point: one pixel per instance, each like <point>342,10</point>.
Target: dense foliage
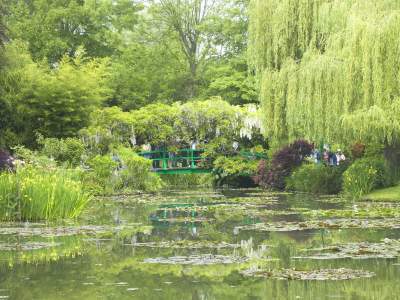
<point>328,69</point>
<point>365,175</point>
<point>317,179</point>
<point>214,124</point>
<point>53,102</point>
<point>283,162</point>
<point>234,171</point>
<point>69,150</point>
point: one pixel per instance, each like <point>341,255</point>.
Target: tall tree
<point>328,69</point>
<point>148,68</point>
<point>324,62</point>
<point>55,28</point>
<point>188,18</point>
<point>227,73</point>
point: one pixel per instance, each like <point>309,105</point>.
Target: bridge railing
<point>187,158</point>
<point>183,158</point>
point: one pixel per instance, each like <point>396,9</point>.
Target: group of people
<point>328,157</point>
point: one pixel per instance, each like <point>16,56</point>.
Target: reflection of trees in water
<point>51,250</point>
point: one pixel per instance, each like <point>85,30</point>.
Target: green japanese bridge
<point>186,161</point>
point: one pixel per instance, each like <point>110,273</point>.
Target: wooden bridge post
<point>192,158</point>
<point>164,161</point>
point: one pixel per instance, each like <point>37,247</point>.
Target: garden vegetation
<point>85,84</point>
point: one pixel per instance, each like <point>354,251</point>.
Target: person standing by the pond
<point>316,155</point>
<point>171,159</point>
<point>235,146</point>
<point>325,156</point>
<point>334,159</point>
<point>146,148</point>
<point>340,157</point>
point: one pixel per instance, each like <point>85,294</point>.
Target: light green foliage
<point>227,73</point>
<point>365,175</point>
<point>50,94</point>
<point>317,179</point>
<point>41,194</point>
<point>234,170</point>
<point>124,171</point>
<point>213,123</point>
<point>148,69</point>
<point>188,19</point>
<point>56,101</point>
<point>327,69</point>
<point>155,123</point>
<point>212,38</point>
<point>108,127</point>
<point>102,176</point>
<point>231,166</point>
<point>136,172</point>
<point>33,158</point>
<point>231,81</point>
<point>56,28</point>
<point>69,150</point>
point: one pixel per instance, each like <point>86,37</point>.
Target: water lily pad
<point>26,246</point>
<point>65,230</point>
<point>323,224</point>
<point>184,244</point>
<point>356,212</point>
<point>323,274</point>
<point>387,249</point>
<point>205,259</point>
<point>53,231</point>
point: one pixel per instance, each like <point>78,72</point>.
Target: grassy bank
<point>387,194</point>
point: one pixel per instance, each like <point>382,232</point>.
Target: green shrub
<point>316,178</point>
<point>32,158</point>
<point>131,173</point>
<point>236,171</point>
<point>102,177</point>
<point>136,172</point>
<point>69,150</point>
<point>365,175</point>
<point>41,194</point>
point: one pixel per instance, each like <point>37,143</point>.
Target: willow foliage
<point>328,69</point>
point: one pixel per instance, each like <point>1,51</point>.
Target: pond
<point>208,244</point>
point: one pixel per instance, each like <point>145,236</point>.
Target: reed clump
<point>41,194</point>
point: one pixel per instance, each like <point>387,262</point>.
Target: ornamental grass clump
<point>41,194</point>
<point>365,175</point>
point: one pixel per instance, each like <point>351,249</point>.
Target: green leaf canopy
<point>328,70</point>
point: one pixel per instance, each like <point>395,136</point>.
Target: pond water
<point>206,244</point>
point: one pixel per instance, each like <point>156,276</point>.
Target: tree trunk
<point>192,85</point>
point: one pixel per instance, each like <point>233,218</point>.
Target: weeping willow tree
<point>328,69</point>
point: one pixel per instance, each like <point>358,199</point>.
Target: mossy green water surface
<point>207,244</point>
